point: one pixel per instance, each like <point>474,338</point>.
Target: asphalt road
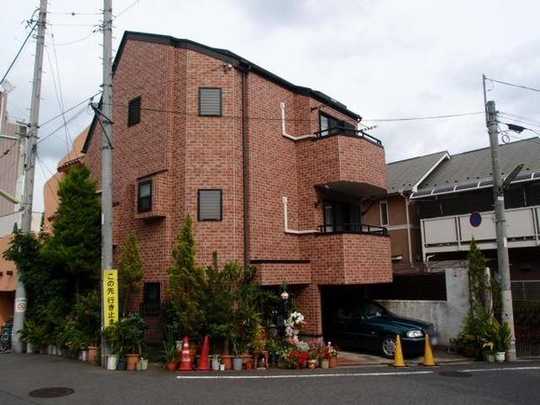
<point>516,383</point>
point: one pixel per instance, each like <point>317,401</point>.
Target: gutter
<point>284,130</point>
<point>409,243</point>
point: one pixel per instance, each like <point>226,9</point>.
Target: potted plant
<point>132,334</point>
<point>502,342</point>
<point>170,353</point>
<point>237,360</point>
<point>113,338</point>
<point>33,335</point>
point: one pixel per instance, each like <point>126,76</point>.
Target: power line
<point>62,126</point>
<point>526,119</point>
<point>428,117</point>
<point>19,52</point>
<point>520,86</point>
<point>68,110</point>
<point>125,9</point>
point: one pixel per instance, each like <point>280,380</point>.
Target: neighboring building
<point>11,180</point>
<point>50,190</point>
<point>442,192</point>
<point>273,174</point>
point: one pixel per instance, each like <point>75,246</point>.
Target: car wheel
<point>388,346</point>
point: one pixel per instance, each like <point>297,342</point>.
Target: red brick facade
<point>182,152</point>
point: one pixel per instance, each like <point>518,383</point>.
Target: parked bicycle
<point>5,337</point>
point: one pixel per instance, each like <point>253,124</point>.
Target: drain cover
<point>51,392</point>
<point>454,374</point>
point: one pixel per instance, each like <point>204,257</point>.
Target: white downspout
<point>286,222</point>
<point>409,244</point>
<point>284,130</point>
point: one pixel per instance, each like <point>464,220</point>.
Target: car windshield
<point>372,310</point>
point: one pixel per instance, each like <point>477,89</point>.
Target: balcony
<point>346,161</point>
<point>356,256</point>
<point>353,228</point>
<point>454,233</point>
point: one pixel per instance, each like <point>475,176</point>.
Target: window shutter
<point>210,102</point>
<point>210,205</point>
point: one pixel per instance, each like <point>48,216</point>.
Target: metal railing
<point>340,130</point>
<point>353,228</point>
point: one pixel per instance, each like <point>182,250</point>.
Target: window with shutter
<point>134,111</point>
<point>144,196</point>
<point>210,205</point>
<point>210,102</point>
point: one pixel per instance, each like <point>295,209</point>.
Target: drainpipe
<point>284,129</point>
<point>409,244</point>
<point>244,71</point>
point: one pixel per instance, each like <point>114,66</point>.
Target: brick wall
<point>182,152</point>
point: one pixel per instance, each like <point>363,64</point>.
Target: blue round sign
<point>475,219</point>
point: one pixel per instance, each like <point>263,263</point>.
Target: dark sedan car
<point>369,326</point>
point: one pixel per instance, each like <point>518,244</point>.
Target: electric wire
<point>427,117</point>
<point>33,27</point>
<point>520,86</point>
<point>62,126</point>
<point>87,99</point>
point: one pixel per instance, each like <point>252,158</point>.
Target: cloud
<point>387,58</point>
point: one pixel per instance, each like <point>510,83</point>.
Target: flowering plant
<point>292,326</point>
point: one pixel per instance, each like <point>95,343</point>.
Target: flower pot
<point>83,355</point>
<point>142,365</point>
<point>490,357</point>
<point>132,359</point>
<point>248,361</point>
<point>215,363</point>
<point>92,354</point>
<point>59,351</point>
<point>312,364</point>
<point>171,365</point>
<point>112,361</point>
<point>29,348</point>
<point>500,356</point>
<point>237,363</point>
<point>227,361</point>
<point>325,363</point>
<point>332,362</point>
<point>121,365</point>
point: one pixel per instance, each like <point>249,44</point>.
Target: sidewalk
<point>350,359</point>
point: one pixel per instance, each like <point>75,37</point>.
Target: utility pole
<point>106,158</point>
<point>500,223</point>
<point>29,169</point>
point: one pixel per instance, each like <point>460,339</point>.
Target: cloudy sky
<point>382,58</point>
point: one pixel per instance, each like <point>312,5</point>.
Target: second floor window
<point>210,205</point>
<point>144,196</point>
<point>210,102</point>
<point>134,111</point>
<point>384,213</point>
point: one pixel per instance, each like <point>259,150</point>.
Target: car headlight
<point>414,333</point>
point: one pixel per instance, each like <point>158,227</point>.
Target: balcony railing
<point>354,228</point>
<point>347,132</point>
<point>455,232</point>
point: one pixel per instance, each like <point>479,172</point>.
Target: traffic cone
<point>429,360</point>
<point>205,351</point>
<point>398,354</point>
<point>185,363</point>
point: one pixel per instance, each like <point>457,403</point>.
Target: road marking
<point>481,370</point>
<point>284,376</point>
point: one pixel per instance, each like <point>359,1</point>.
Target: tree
<point>75,245</point>
<point>187,283</point>
<point>130,270</point>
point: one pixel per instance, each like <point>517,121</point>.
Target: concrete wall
<point>447,316</point>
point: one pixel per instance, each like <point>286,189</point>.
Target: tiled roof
<point>404,174</point>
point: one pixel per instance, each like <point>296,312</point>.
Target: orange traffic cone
<point>205,351</point>
<point>429,360</point>
<point>185,363</point>
<point>398,354</point>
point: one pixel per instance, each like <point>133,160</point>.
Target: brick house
<point>273,174</point>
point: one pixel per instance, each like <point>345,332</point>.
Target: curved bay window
<point>342,217</point>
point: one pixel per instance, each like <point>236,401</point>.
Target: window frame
<point>134,121</point>
<point>386,211</point>
<point>201,89</point>
<point>150,197</point>
<point>220,205</point>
